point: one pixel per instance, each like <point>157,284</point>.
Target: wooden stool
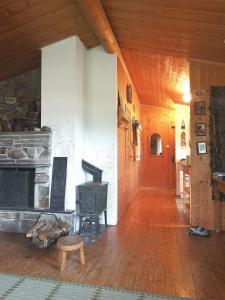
<point>67,244</point>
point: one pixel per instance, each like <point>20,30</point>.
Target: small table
<point>219,187</point>
<point>67,244</point>
<point>186,170</point>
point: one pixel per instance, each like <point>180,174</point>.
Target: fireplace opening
<point>17,188</point>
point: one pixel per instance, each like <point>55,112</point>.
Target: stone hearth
<point>22,221</point>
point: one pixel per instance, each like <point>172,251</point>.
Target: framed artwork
<point>201,148</point>
<point>200,108</point>
<point>200,129</point>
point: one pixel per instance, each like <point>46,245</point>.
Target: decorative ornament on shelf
<point>182,139</point>
<point>135,125</point>
<point>122,117</point>
<point>129,93</point>
<point>182,125</point>
<point>182,135</point>
<point>136,128</point>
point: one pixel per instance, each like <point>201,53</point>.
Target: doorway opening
<point>165,163</point>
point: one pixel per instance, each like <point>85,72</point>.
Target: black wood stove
<point>91,198</point>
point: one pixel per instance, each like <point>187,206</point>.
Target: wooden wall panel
<point>122,171</point>
<point>128,167</point>
<point>157,170</point>
<point>202,76</point>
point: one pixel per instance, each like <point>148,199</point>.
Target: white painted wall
<point>101,120</point>
<point>63,96</point>
<point>182,113</point>
<point>79,104</point>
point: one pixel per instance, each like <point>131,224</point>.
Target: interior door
<point>157,168</point>
<point>122,132</point>
<point>124,165</point>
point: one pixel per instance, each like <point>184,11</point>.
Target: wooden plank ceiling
<point>177,30</point>
<point>28,25</point>
<point>188,28</point>
<point>160,80</point>
<point>157,37</point>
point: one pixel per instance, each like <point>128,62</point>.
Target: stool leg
<point>82,258</point>
<point>63,261</point>
<point>59,257</point>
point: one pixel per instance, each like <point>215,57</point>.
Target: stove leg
<point>105,214</point>
<point>80,224</point>
<point>97,225</point>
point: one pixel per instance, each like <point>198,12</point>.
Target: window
<point>155,144</point>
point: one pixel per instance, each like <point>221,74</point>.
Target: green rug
<point>13,287</point>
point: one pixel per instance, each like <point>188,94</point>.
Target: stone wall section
<point>20,102</point>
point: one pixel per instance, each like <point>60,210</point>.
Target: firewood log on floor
<point>46,231</point>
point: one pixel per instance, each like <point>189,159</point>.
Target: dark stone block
<point>41,178</point>
<point>37,143</point>
<point>8,215</point>
<point>43,191</point>
<point>8,143</point>
<point>42,170</point>
<point>28,215</point>
<point>9,226</point>
<point>44,203</point>
<point>25,225</point>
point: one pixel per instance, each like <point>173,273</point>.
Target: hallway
<point>150,250</point>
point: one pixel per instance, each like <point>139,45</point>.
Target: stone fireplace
<point>67,96</point>
<point>25,172</point>
<point>25,162</point>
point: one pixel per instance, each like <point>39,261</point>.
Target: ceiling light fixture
<point>187,97</point>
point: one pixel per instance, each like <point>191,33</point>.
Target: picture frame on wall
<point>200,108</point>
<point>201,147</point>
<point>200,129</point>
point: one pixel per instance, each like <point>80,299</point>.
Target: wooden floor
<point>150,250</point>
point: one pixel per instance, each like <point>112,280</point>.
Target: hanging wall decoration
<point>201,148</point>
<point>200,108</point>
<point>121,111</point>
<point>200,129</point>
<point>199,93</point>
<point>182,135</point>
<point>129,93</point>
<point>135,124</point>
